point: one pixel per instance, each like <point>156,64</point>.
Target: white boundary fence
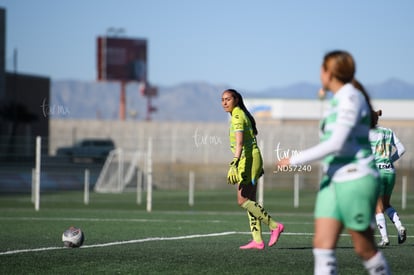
<point>205,145</point>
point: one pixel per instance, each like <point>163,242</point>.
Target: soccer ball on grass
<point>73,237</point>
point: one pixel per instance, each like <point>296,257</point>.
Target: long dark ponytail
<point>364,92</point>
<point>239,99</point>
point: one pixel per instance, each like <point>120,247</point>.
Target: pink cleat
<point>253,245</point>
<point>275,234</point>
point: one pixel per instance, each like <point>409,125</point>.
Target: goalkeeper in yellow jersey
<point>246,168</point>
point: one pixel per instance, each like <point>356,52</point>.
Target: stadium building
<point>305,111</point>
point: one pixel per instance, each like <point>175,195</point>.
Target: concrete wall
<point>191,142</point>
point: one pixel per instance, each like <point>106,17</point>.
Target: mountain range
<point>192,101</point>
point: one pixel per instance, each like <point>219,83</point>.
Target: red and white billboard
<point>122,59</point>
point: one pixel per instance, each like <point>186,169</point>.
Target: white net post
<point>149,176</point>
<point>404,193</point>
<point>191,189</point>
<point>260,183</point>
<point>139,186</point>
<point>86,187</point>
<point>33,185</point>
<point>296,191</point>
<point>37,172</point>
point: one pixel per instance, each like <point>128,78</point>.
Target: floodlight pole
<point>149,91</point>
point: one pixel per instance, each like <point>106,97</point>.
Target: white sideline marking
<point>152,239</point>
<point>122,242</point>
<point>30,250</point>
<point>161,239</point>
<point>140,241</point>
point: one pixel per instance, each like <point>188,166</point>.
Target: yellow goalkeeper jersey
<point>241,123</point>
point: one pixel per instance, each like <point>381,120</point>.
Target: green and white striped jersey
<point>348,108</point>
<point>344,145</point>
<point>383,141</point>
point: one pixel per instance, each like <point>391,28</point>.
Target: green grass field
<point>123,238</point>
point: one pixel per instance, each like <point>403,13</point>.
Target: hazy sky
<point>250,45</point>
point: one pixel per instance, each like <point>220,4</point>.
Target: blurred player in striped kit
<point>383,142</point>
<point>246,168</point>
<point>349,188</point>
